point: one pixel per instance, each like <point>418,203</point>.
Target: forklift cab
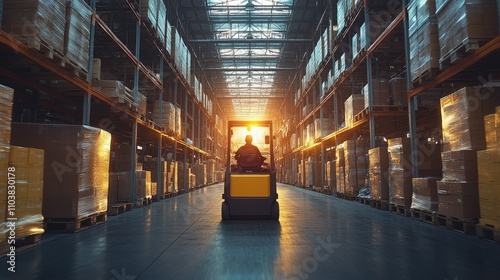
<point>250,179</point>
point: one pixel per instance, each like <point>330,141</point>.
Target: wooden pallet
<point>425,76</point>
<point>75,69</point>
<point>463,225</point>
<point>488,233</point>
<point>119,208</point>
<point>364,201</point>
<point>46,49</point>
<point>399,209</point>
<point>380,204</point>
<point>469,45</point>
<point>347,197</point>
<point>143,202</point>
<point>21,244</point>
<point>74,225</point>
<point>423,215</point>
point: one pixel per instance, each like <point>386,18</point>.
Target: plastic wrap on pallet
<point>400,184</point>
<point>161,21</point>
<point>378,173</point>
<point>168,37</point>
<point>465,23</point>
<point>149,10</point>
<point>322,127</point>
<point>178,121</point>
<point>331,175</point>
<point>6,98</point>
<point>462,117</point>
<point>168,115</point>
<point>142,104</point>
<point>339,168</point>
<point>112,88</point>
<point>353,105</point>
<point>29,164</point>
<point>398,91</point>
<point>425,195</point>
<point>460,166</point>
<point>423,37</point>
<point>341,14</point>
<point>355,45</point>
<point>76,185</point>
<point>365,193</point>
<point>200,170</point>
<point>36,22</point>
<point>77,33</point>
<point>490,131</point>
<point>380,93</point>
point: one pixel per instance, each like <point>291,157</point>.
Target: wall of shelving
<point>125,65</point>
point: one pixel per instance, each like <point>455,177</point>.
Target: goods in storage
<point>29,168</point>
<point>76,173</point>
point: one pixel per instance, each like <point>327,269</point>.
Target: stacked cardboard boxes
<point>423,37</point>
<point>398,91</point>
<point>380,93</point>
<point>331,176</point>
<point>353,105</point>
<point>172,176</point>
<point>210,171</point>
<point>465,23</point>
<point>340,169</point>
<point>322,127</point>
<point>400,187</point>
<point>47,20</point>
<point>6,95</point>
<point>29,166</point>
<point>489,177</point>
<point>378,173</point>
<point>76,185</point>
<point>200,171</point>
<point>77,34</point>
<point>425,195</point>
<point>152,165</point>
<point>184,176</point>
<point>168,117</point>
<point>463,132</point>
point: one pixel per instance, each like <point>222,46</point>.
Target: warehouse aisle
<point>317,237</point>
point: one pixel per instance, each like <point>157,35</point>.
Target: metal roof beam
<point>249,41</point>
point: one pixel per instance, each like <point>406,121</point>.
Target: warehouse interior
<point>385,138</point>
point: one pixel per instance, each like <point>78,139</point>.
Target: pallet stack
<point>424,40</point>
<point>168,118</point>
<point>38,24</point>
<point>400,188</point>
<point>77,35</point>
<point>76,187</point>
<point>353,105</point>
<point>489,180</point>
<point>340,169</point>
<point>152,165</point>
<point>172,177</point>
<point>398,91</point>
<point>464,25</point>
<point>29,168</point>
<point>378,169</point>
<point>463,134</point>
<point>331,176</point>
<point>6,97</point>
<point>200,170</point>
<point>380,93</point>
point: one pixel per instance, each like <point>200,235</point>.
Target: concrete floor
<point>317,237</point>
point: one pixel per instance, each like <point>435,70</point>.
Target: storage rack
<point>420,119</point>
<point>128,46</point>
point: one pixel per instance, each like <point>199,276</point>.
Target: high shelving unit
<point>51,90</point>
<point>386,56</point>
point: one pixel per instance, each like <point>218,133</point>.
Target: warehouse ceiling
<point>250,50</point>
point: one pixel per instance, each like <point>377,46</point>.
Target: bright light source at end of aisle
<point>139,148</point>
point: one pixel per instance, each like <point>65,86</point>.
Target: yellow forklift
<point>250,178</point>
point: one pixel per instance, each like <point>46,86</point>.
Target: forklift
<point>250,181</point>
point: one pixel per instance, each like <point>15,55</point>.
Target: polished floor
<point>317,237</point>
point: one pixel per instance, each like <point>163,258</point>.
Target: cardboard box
<point>76,184</point>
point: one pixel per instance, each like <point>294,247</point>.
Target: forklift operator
<point>248,148</point>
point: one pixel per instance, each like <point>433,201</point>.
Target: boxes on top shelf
<point>424,40</point>
<point>77,184</point>
<point>77,34</point>
<point>464,25</point>
<point>149,11</point>
<point>47,20</point>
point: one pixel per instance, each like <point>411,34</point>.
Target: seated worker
<point>249,155</point>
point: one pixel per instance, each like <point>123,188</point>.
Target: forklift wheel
<point>275,211</point>
<point>225,211</point>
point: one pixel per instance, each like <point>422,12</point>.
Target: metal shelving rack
<point>75,100</point>
<point>368,125</point>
